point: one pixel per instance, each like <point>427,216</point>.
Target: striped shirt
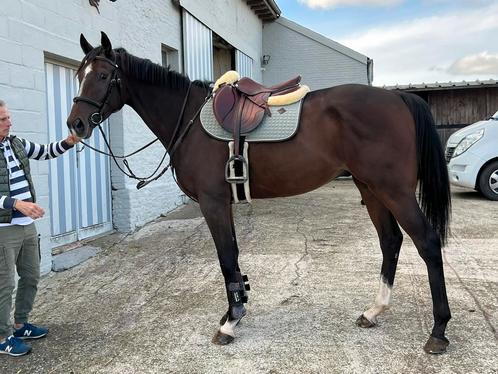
<point>19,187</point>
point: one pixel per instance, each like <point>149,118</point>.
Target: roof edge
<point>266,10</point>
<point>444,85</point>
<point>274,6</point>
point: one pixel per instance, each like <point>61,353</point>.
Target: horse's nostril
<point>78,125</point>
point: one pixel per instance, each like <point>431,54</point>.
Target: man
<point>19,245</point>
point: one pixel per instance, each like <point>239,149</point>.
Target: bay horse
<point>386,140</point>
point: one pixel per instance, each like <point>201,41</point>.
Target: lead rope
<point>143,183</point>
<point>108,154</point>
<point>173,145</point>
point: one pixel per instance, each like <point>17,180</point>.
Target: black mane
<point>145,70</point>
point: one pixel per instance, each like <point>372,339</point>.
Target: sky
<point>410,41</point>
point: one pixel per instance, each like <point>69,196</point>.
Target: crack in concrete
<point>165,278</point>
<point>118,242</point>
<point>421,300</point>
<point>108,283</point>
<point>305,254</point>
<point>186,239</point>
<point>248,227</point>
<point>159,263</point>
<point>485,314</point>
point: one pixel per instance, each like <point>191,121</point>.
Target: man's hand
<point>29,209</point>
<point>72,139</point>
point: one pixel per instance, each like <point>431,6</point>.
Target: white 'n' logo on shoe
<point>27,333</point>
<point>8,349</point>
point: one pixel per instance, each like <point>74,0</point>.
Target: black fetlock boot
<point>237,297</point>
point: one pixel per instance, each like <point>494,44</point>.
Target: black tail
<point>434,186</point>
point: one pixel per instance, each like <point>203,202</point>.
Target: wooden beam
<point>259,7</point>
<point>262,9</point>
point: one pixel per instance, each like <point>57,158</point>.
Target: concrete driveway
<point>151,300</point>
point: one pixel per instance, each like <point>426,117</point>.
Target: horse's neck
<point>159,107</point>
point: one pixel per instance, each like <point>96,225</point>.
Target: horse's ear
<point>106,44</point>
<point>85,46</point>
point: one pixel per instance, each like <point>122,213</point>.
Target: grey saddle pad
<point>282,124</point>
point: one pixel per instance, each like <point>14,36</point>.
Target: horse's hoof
<point>436,346</point>
<point>222,339</point>
<point>364,322</point>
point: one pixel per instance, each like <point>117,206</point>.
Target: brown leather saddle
<point>240,107</point>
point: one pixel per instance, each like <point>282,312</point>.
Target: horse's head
<point>100,92</point>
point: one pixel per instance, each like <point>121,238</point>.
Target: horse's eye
<point>103,76</point>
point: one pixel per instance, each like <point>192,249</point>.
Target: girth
<point>239,107</point>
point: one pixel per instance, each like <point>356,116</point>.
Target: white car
<point>472,156</point>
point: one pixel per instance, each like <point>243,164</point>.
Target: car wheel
<point>488,181</point>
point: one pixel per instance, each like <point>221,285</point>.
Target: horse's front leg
<point>218,215</point>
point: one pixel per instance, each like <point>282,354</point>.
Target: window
<point>170,57</point>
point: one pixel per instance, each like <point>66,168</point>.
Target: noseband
<point>96,118</point>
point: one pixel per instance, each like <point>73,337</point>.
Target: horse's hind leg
<point>218,215</point>
<point>404,206</point>
<point>390,238</point>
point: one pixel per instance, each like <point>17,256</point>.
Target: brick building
<point>82,193</point>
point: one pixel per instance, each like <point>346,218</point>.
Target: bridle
<point>96,118</point>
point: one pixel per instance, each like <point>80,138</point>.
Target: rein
<point>143,181</point>
<point>96,119</point>
<point>173,146</point>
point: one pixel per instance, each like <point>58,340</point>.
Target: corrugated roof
<point>444,85</point>
<point>267,10</point>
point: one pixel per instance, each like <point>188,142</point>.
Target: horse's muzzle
<point>78,127</point>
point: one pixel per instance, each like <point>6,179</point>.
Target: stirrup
<point>234,178</point>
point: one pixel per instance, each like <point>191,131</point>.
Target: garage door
<point>79,181</point>
<point>198,48</point>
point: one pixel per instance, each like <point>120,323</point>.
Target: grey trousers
<point>19,249</point>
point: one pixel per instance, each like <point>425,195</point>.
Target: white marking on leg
<point>381,302</point>
<point>229,326</point>
<point>87,71</point>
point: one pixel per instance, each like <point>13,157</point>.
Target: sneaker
<point>29,331</point>
<point>14,347</point>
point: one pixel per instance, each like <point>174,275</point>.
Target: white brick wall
<point>143,27</point>
<point>28,30</point>
<point>293,53</point>
<point>31,30</point>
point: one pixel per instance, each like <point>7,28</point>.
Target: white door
<point>79,181</point>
